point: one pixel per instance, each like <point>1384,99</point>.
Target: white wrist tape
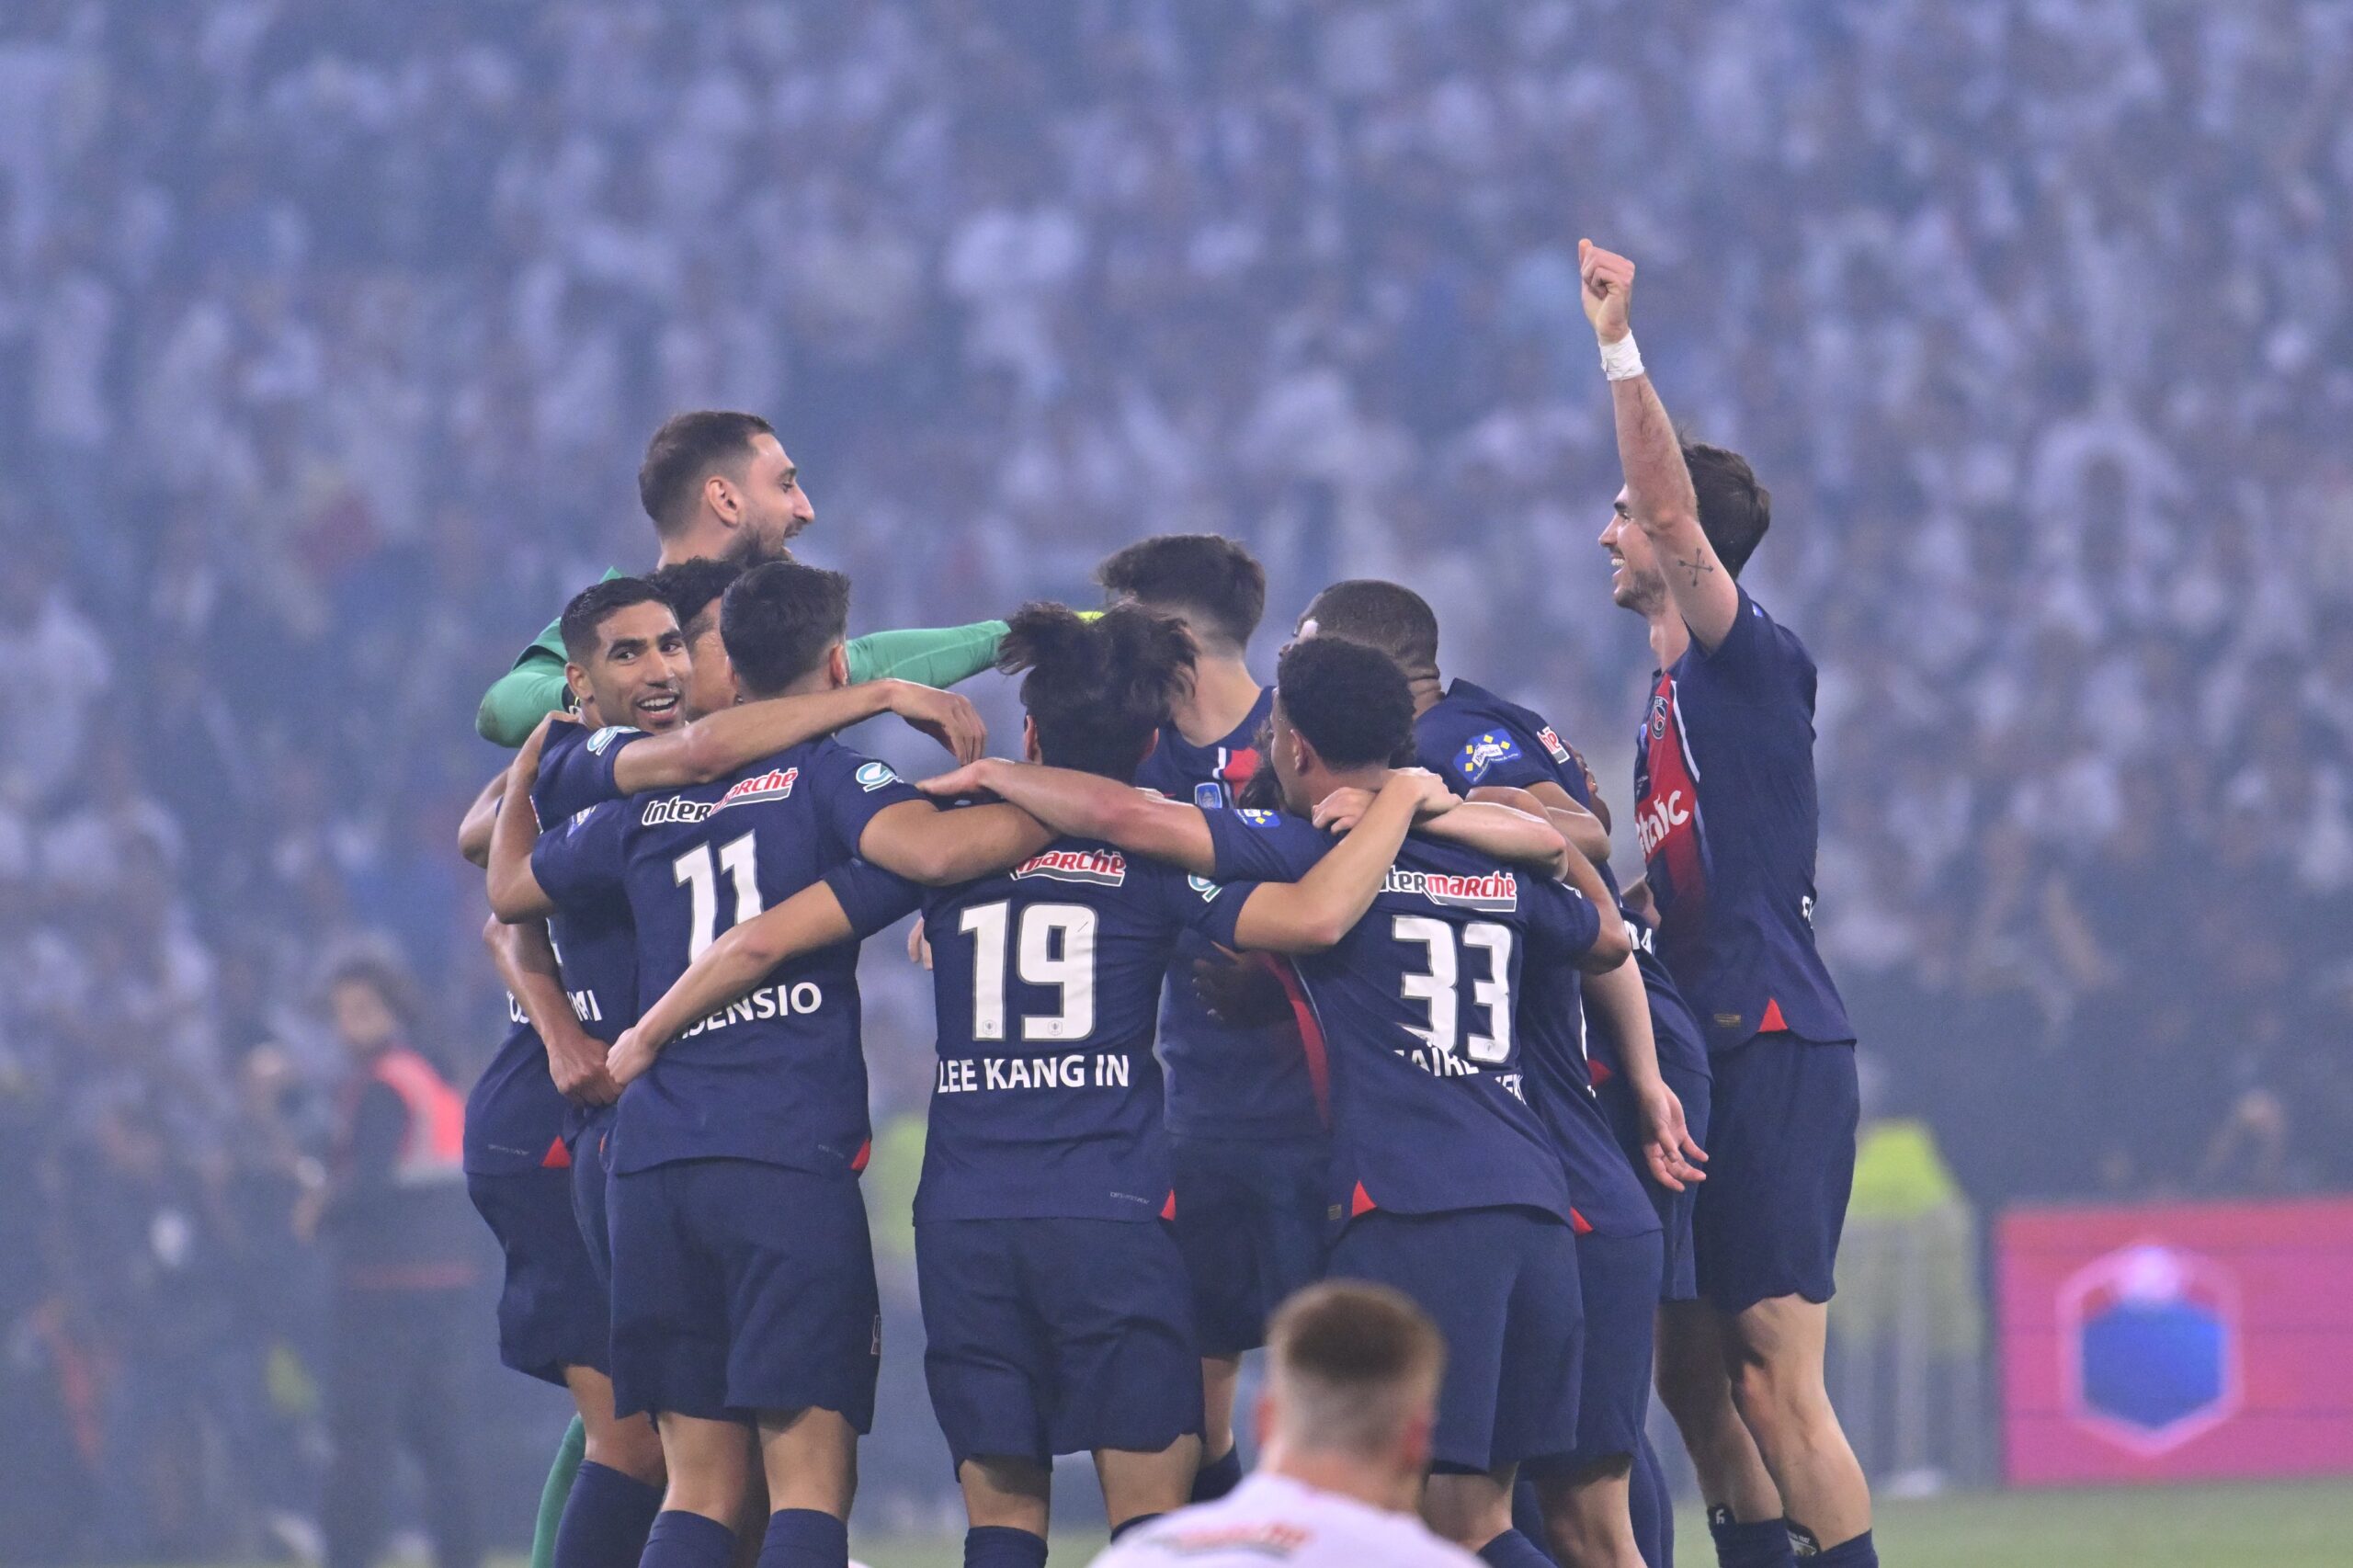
<point>1621,361</point>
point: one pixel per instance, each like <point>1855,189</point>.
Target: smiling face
<point>1635,581</point>
<point>771,507</point>
<point>638,675</point>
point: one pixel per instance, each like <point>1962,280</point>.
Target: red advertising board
<point>2177,1342</point>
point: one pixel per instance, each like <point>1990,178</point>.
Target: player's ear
<point>577,680</point>
<point>1302,754</point>
<point>721,497</point>
<point>1030,750</point>
<point>838,665</point>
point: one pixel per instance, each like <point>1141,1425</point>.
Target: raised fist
<point>1608,289</point>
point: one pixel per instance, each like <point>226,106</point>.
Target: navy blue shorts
<point>1617,1276</point>
<point>1056,1336</point>
<point>739,1288</point>
<point>588,1178</point>
<point>1781,1163</point>
<point>1679,1277</point>
<point>552,1310</point>
<point>1252,1223</point>
<point>1501,1285</point>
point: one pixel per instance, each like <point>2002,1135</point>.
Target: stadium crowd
<point>330,337</point>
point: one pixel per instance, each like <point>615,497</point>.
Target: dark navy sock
<point>605,1519</point>
<point>680,1540</point>
<point>1137,1523</point>
<point>1653,1509</point>
<point>1528,1516</point>
<point>804,1538</point>
<point>1002,1545</point>
<point>1760,1543</point>
<point>1219,1476</point>
<point>1513,1550</point>
<point>1856,1553</point>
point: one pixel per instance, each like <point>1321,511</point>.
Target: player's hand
<point>950,720</point>
<point>1636,896</point>
<point>918,945</point>
<point>1667,1146</point>
<point>1431,797</point>
<point>1240,992</point>
<point>527,757</point>
<point>1609,281</point>
<point>1341,809</point>
<point>631,1056</point>
<point>965,780</point>
<point>576,1063</point>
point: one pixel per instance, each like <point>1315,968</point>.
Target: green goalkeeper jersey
<point>940,655</point>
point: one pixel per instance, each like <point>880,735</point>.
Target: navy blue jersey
<point>514,1119</point>
<point>778,1076</point>
<point>577,769</point>
<point>593,931</point>
<point>1222,1082</point>
<point>1047,1101</point>
<point>1471,738</point>
<point>1415,1005</point>
<point>1723,782</point>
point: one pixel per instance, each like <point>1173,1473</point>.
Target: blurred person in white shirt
<point>1344,1427</point>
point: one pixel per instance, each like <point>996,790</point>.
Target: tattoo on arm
<point>1699,566</point>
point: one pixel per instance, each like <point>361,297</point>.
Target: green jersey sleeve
<point>934,655</point>
<point>519,700</point>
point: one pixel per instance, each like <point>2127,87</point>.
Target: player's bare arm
<point>729,969</point>
<point>524,959</point>
<point>1659,497</point>
<point>719,744</point>
<point>474,830</point>
<point>515,892</point>
<point>1612,947</point>
<point>1322,907</point>
<point>1087,805</point>
<point>1586,833</point>
<point>1505,824</point>
<point>1622,1004</point>
<point>916,840</point>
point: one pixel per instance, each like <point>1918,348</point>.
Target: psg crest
<point>2150,1339</point>
<point>1659,716</point>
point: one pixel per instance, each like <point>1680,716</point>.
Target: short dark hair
<point>1381,615</point>
<point>386,979</point>
<point>692,587</point>
<point>1350,1357</point>
<point>688,449</point>
<point>582,625</point>
<point>779,620</point>
<point>1097,690</point>
<point>1350,702</point>
<point>1734,510</point>
<point>1206,579</point>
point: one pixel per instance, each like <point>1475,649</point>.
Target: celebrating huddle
<point>1236,988</point>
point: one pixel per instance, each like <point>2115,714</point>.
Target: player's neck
<point>1325,780</point>
<point>1669,636</point>
<point>1347,1476</point>
<point>1427,690</point>
<point>1223,693</point>
<point>705,539</point>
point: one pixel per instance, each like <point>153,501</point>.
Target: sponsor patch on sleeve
<point>1552,744</point>
<point>1482,751</point>
<point>1257,818</point>
<point>606,736</point>
<point>1206,888</point>
<point>872,776</point>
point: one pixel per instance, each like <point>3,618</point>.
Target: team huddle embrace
<point>1238,987</point>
